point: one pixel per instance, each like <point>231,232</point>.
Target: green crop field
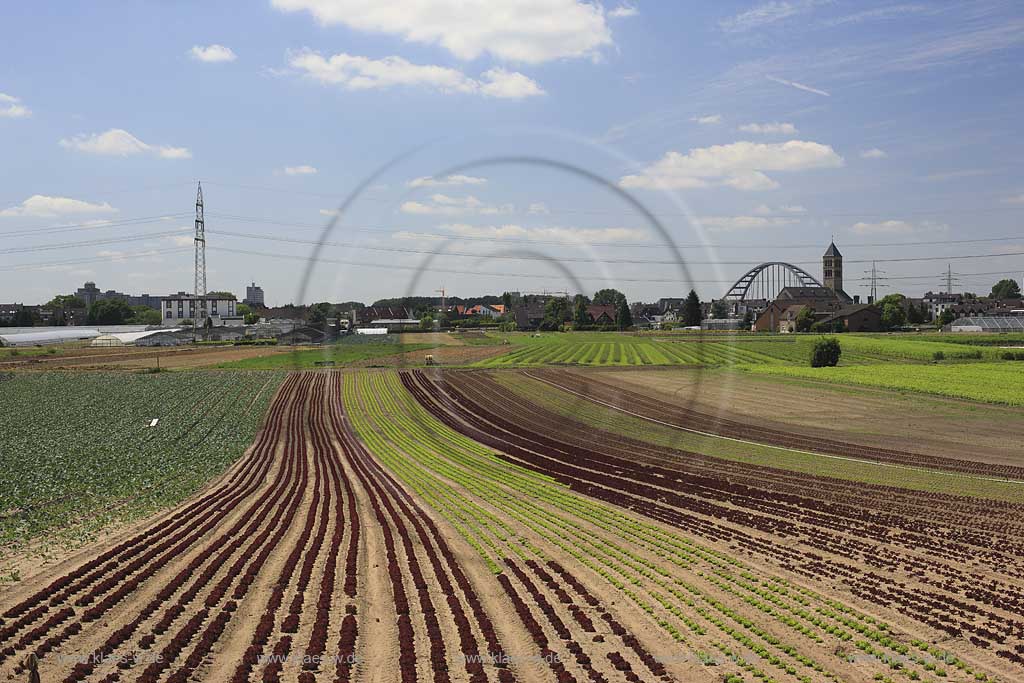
<point>988,382</point>
<point>78,450</point>
<point>614,349</point>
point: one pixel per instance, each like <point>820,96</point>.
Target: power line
<point>92,225</point>
<point>438,252</point>
<point>571,259</point>
<point>89,243</point>
<point>92,259</point>
<point>624,212</point>
<point>575,243</point>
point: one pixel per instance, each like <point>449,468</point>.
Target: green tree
<point>427,323</point>
<point>1005,289</point>
<point>719,309</point>
<point>109,312</point>
<point>608,297</point>
<point>805,319</point>
<point>144,315</point>
<point>691,310</point>
<point>915,316</point>
<point>65,301</point>
<point>221,295</point>
<point>318,313</point>
<point>826,353</point>
<point>556,312</point>
<point>623,318</point>
<point>580,317</point>
<point>945,318</point>
<point>248,315</point>
<point>893,310</point>
<point>748,319</point>
<point>506,301</point>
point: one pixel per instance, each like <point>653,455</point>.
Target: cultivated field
<point>518,523</point>
<point>79,452</point>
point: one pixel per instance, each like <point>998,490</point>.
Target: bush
<point>938,355</point>
<point>1011,355</point>
<point>825,353</point>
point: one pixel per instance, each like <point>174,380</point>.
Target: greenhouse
<point>56,335</point>
<point>1009,323</point>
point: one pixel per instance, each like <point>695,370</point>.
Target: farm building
<point>601,314</point>
<point>396,324</point>
<point>302,335</point>
<point>856,318</point>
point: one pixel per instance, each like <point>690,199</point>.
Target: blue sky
<point>753,131</point>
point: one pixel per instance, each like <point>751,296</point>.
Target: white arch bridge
<point>767,280</point>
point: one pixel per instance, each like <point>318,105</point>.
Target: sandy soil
<point>443,338</point>
<point>871,417</point>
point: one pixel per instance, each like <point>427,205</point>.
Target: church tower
<point>832,269</point>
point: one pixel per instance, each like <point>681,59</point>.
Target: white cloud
<point>442,204</point>
<point>767,13</point>
<point>624,11</point>
<point>895,227</point>
<point>530,32</point>
<point>1019,199</point>
<point>774,128</point>
<point>512,85</point>
<point>121,143</point>
<point>12,108</point>
<point>738,223</point>
<point>212,53</point>
<point>458,179</point>
<point>43,206</point>
<point>709,120</point>
<point>873,153</point>
<point>740,165</point>
<point>538,208</point>
<point>362,73</point>
<point>799,86</point>
<point>304,169</point>
<point>554,233</point>
<point>329,212</point>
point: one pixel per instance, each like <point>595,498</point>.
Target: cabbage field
<point>79,452</point>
